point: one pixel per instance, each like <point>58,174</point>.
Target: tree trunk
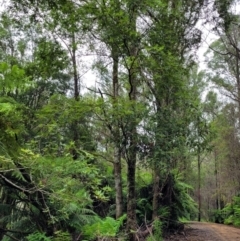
<point>199,186</point>
<point>118,182</point>
<point>155,205</point>
<point>131,169</point>
<point>131,44</point>
<point>216,180</point>
<point>238,84</point>
<point>131,199</point>
<point>76,96</point>
<point>117,147</point>
<point>74,63</point>
<point>132,150</point>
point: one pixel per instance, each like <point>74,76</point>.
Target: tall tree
<point>166,68</point>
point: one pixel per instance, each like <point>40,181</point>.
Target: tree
<point>165,77</point>
<point>224,66</point>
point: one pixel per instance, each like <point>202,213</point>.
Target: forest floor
<point>195,231</point>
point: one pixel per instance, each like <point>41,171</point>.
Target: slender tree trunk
<point>216,180</point>
<point>156,169</point>
<point>131,197</point>
<point>132,150</point>
<point>238,84</point>
<point>117,147</point>
<point>76,96</point>
<point>131,169</point>
<point>75,73</point>
<point>199,186</point>
<point>155,204</point>
<point>118,182</point>
<point>131,44</point>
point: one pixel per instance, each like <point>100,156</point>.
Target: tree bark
<point>216,180</point>
<point>76,96</point>
<point>199,185</point>
<point>155,165</point>
<point>75,73</point>
<point>131,169</point>
<point>118,182</point>
<point>155,204</point>
<point>132,150</point>
<point>238,86</point>
<point>117,147</point>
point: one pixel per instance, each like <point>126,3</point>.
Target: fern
<point>157,231</point>
<point>107,227</point>
<point>61,236</point>
<point>231,212</point>
<point>37,236</point>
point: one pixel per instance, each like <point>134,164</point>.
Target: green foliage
<point>55,123</point>
<point>50,59</point>
<point>61,236</point>
<point>218,216</point>
<point>144,190</point>
<point>231,212</point>
<point>38,237</point>
<point>164,213</point>
<point>64,185</point>
<point>71,184</point>
<point>157,231</point>
<point>12,79</point>
<point>223,7</point>
<point>177,202</point>
<point>105,228</point>
<point>11,125</point>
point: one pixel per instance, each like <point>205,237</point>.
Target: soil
<point>195,231</point>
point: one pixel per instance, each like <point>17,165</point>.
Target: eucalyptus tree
<point>223,54</point>
<point>106,16</point>
<point>212,110</point>
<point>166,75</point>
<point>224,66</point>
<point>116,25</point>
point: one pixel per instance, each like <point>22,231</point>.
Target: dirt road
<point>195,231</point>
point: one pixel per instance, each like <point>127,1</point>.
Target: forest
<point>112,127</point>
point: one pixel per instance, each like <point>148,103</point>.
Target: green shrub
<point>232,212</point>
<point>217,216</point>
